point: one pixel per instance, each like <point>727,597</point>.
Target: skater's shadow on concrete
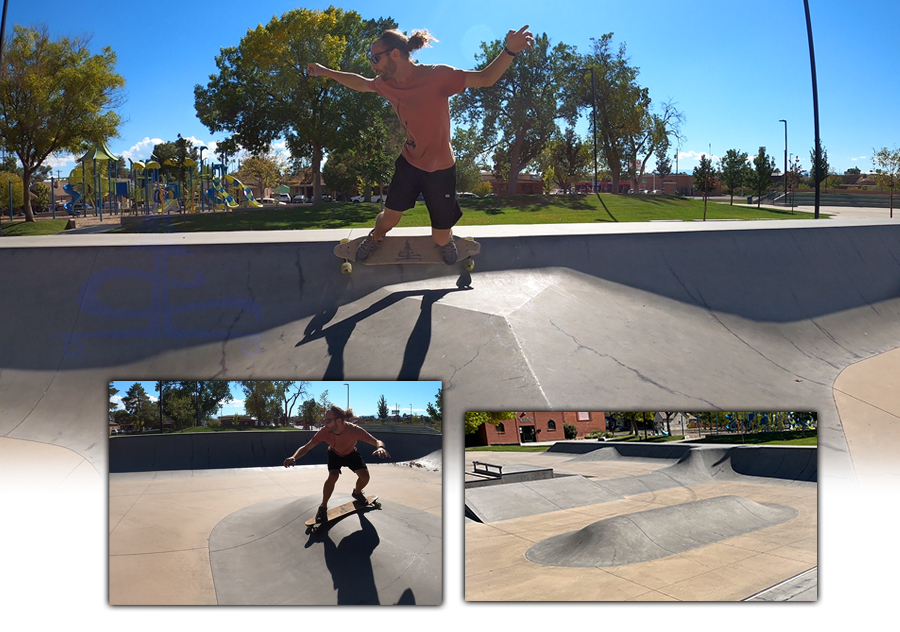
<point>338,334</point>
<point>350,564</point>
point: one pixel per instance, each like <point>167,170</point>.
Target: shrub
<point>570,431</point>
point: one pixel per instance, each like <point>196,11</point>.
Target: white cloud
<point>859,158</point>
<point>142,150</point>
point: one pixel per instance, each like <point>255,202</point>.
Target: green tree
<point>261,400</point>
<point>265,170</point>
<point>113,406</point>
<point>436,410</point>
<point>383,410</point>
<point>888,163</point>
<point>55,96</point>
<point>705,179</point>
<point>205,397</point>
<point>474,420</point>
<point>469,158</point>
<point>733,170</point>
<point>518,113</point>
<point>651,137</point>
<point>819,171</point>
<point>621,104</point>
<point>18,196</point>
<point>569,159</point>
<point>138,405</point>
<point>289,391</point>
<point>309,412</point>
<point>261,91</point>
<point>761,176</point>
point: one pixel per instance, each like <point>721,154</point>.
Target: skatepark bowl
<point>237,536</point>
<point>649,522</point>
<point>657,316</point>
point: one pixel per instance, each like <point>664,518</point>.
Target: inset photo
<point>275,493</point>
<point>641,506</point>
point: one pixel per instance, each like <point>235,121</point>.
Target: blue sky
<point>734,69</point>
<point>364,396</point>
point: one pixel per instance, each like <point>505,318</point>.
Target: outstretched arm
<point>349,79</point>
<point>516,42</point>
<point>291,460</point>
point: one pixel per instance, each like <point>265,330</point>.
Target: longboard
<point>340,511</point>
<point>407,250</point>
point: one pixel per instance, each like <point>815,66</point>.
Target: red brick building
<point>540,426</point>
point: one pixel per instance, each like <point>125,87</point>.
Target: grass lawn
<point>523,209</point>
<point>792,437</point>
<point>508,448</point>
<point>27,229</point>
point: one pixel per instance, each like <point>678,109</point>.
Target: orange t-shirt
<point>345,442</point>
<point>423,106</point>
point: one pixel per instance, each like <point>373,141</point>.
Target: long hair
<point>397,39</point>
<point>337,411</point>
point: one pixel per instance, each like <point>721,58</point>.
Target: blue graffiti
<point>160,311</point>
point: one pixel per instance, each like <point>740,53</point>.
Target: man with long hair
<point>341,436</point>
<point>420,95</point>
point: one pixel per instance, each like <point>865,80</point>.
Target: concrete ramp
<point>514,500</point>
<point>773,465</point>
<point>619,314</point>
<point>650,535</point>
<point>261,555</point>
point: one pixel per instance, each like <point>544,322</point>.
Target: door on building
<point>526,434</point>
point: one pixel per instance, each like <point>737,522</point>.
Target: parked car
<point>466,194</point>
<point>299,199</point>
<point>283,197</point>
<point>362,198</point>
<point>269,201</point>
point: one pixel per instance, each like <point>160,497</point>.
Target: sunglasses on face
<point>374,57</point>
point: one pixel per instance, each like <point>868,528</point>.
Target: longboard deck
<point>336,513</point>
<point>406,250</point>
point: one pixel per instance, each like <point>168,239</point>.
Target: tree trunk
<point>26,194</point>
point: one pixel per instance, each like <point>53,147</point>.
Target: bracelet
<point>509,52</point>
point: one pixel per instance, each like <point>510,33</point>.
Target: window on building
<point>584,416</point>
<point>551,425</point>
<point>501,428</point>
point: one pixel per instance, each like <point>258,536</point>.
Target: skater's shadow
<point>350,565</point>
<point>338,334</point>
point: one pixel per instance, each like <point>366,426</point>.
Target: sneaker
<point>358,496</point>
<point>449,253</point>
<point>366,248</point>
<point>322,515</point>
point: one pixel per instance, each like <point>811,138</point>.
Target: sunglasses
<point>374,57</point>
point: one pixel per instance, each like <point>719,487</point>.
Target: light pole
<point>785,157</point>
<point>202,149</point>
<point>815,92</point>
<point>348,396</point>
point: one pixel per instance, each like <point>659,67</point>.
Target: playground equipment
<point>70,207</point>
<point>248,194</point>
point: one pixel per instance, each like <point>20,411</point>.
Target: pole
<point>785,156</point>
<point>348,396</point>
<point>594,124</point>
<point>815,92</point>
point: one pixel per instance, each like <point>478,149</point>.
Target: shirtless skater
<point>420,95</point>
<point>341,436</point>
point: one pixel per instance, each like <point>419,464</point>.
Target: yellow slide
<point>247,192</point>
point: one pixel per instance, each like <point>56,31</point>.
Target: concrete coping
<point>478,232</point>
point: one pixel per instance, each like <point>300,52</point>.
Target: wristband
<point>509,52</point>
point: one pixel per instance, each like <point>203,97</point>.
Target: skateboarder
<point>341,436</point>
<point>420,95</point>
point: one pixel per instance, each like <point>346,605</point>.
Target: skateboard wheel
<point>470,265</point>
<point>377,505</point>
<point>345,241</point>
<point>470,239</point>
<point>346,268</point>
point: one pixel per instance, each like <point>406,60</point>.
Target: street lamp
<point>348,396</point>
<point>593,123</point>
<point>785,157</point>
<point>202,149</point>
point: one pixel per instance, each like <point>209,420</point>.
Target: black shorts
<point>438,189</point>
<point>352,461</point>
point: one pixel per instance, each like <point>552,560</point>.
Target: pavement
<point>788,315</point>
<point>237,537</point>
<point>715,523</point>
